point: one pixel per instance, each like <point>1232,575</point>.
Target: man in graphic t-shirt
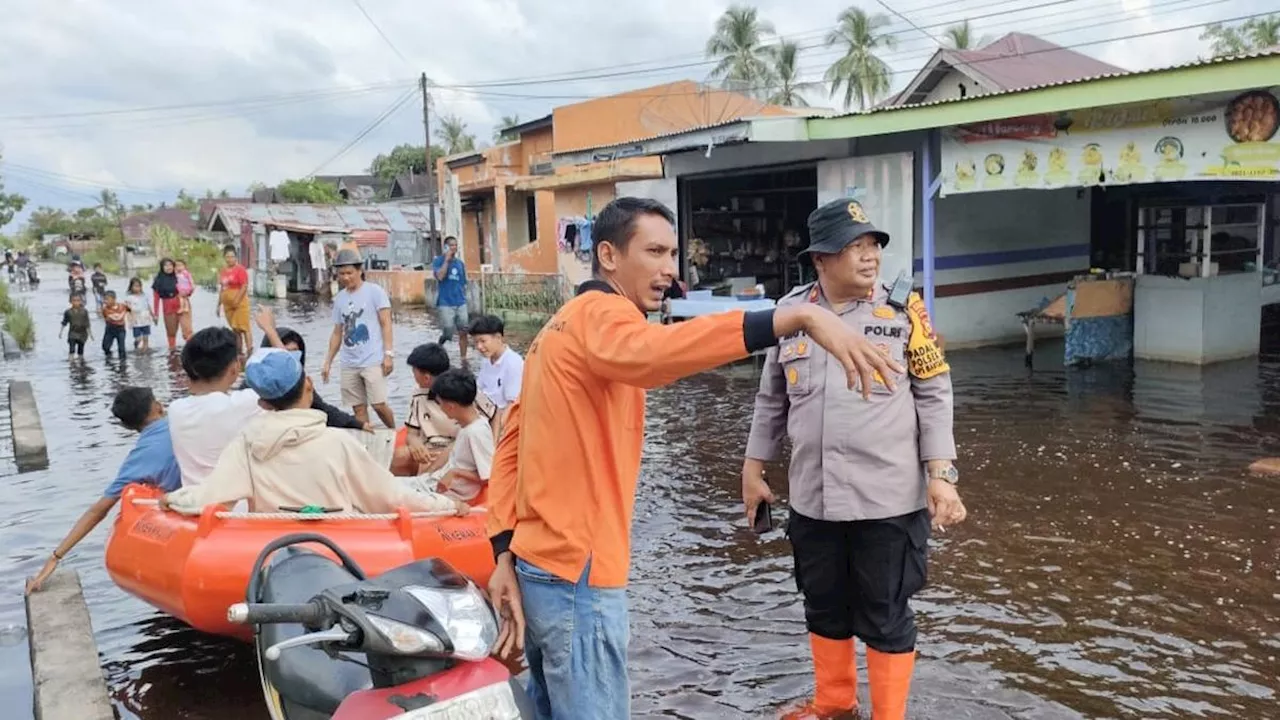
<point>361,340</point>
<point>451,300</point>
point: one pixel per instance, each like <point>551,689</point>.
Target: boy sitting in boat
<point>429,433</point>
<point>150,461</point>
<point>286,457</point>
<point>204,422</point>
<point>466,475</point>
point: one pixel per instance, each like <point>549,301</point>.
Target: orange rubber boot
<point>889,675</point>
<point>836,677</point>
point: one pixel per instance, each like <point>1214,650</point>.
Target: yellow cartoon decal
<point>1091,160</point>
<point>924,358</point>
<point>965,175</point>
<point>1058,173</point>
<point>856,213</point>
<point>1027,175</point>
<point>994,165</point>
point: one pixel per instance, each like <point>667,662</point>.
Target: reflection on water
<point>1118,561</point>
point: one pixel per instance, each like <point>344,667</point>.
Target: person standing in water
<point>234,299</point>
<point>165,301</point>
<point>451,297</point>
<point>362,333</point>
<point>76,318</point>
<point>867,474</point>
<point>139,315</point>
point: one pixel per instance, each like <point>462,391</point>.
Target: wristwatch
<point>390,353</point>
<point>949,474</point>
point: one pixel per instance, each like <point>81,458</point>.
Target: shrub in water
<point>19,323</point>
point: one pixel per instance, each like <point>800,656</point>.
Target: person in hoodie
<point>287,457</point>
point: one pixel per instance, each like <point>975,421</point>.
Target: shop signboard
<point>1223,137</point>
<point>885,186</point>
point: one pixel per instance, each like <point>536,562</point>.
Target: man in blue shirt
<point>451,300</point>
<point>150,461</point>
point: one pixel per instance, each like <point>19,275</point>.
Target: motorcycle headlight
<point>466,617</point>
<point>406,639</point>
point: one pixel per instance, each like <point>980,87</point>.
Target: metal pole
<point>926,220</point>
<point>432,194</point>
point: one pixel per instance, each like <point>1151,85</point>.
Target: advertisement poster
<point>1222,138</point>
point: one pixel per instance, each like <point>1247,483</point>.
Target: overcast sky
<point>145,97</point>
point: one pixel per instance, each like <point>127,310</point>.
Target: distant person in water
<point>99,282</point>
<point>166,302</point>
<point>151,461</point>
<point>233,302</point>
<point>140,316</point>
<point>116,317</point>
<point>75,322</point>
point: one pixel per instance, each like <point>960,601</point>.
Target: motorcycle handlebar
<point>311,613</point>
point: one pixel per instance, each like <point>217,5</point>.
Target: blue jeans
<point>576,645</point>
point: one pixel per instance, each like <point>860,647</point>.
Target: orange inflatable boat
<point>194,568</point>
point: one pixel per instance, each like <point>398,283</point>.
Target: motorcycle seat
<point>306,675</point>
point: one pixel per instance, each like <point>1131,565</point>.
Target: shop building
<point>998,202</point>
<point>514,210</point>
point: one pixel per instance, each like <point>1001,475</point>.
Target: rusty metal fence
<point>531,293</point>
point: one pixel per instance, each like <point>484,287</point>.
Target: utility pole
<point>433,200</point>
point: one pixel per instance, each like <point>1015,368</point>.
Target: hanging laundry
<point>584,236</point>
<point>278,245</point>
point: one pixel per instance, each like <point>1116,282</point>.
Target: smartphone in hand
<point>764,519</point>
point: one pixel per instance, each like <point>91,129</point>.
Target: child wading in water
<point>115,315</point>
<point>139,315</point>
<point>76,317</point>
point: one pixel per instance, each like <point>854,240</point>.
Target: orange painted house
<point>507,203</point>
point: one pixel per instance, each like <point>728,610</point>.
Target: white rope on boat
<point>310,517</point>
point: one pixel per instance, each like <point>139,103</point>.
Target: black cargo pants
<point>857,577</point>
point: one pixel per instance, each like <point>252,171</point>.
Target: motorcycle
<point>33,275</point>
<point>425,632</point>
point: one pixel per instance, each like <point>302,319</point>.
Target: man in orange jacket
<point>867,473</point>
<point>563,481</point>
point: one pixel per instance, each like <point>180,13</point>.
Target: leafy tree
<point>309,190</point>
<point>10,204</point>
<point>452,134</point>
<point>1252,35</point>
<point>403,159</point>
<point>109,205</point>
<point>255,187</point>
<point>961,37</point>
<point>186,202</point>
<point>739,43</point>
<point>788,90</point>
<point>862,74</point>
<point>507,121</point>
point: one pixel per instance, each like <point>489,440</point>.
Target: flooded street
<point>1118,560</point>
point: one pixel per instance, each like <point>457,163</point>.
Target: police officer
<point>866,476</point>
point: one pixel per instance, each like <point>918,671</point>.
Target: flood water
<point>1118,560</point>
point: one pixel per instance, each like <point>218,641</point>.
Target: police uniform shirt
<point>851,458</point>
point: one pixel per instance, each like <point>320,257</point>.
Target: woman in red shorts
<point>166,301</point>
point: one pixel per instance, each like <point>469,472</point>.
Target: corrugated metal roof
<point>672,133</point>
<point>400,217</point>
<point>1090,78</point>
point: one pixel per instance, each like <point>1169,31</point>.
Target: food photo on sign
<point>1188,139</point>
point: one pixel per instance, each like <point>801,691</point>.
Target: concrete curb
<point>10,346</point>
<point>65,673</point>
<point>30,451</point>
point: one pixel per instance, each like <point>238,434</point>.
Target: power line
<point>386,39</point>
<point>399,103</point>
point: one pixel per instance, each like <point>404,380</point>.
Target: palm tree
<point>452,134</point>
<point>787,89</point>
<point>739,44</point>
<point>109,204</point>
<point>960,37</point>
<point>863,75</point>
<point>507,121</point>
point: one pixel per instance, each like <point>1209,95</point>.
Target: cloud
<point>99,56</point>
